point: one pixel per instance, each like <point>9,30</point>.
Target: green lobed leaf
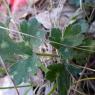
<point>88,44</point>
<point>54,71</point>
<point>63,81</point>
<point>51,76</point>
<point>73,69</point>
<point>34,29</point>
<point>58,72</point>
<point>23,68</point>
<point>9,48</point>
<point>72,38</point>
<point>81,56</point>
<point>72,30</point>
<point>83,24</point>
<point>67,53</point>
<point>24,26</point>
<point>73,41</point>
<point>55,37</point>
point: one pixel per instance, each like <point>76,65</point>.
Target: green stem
<point>11,87</point>
<point>53,89</point>
<point>46,54</point>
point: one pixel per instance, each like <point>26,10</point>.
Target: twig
<point>78,66</point>
<point>79,92</point>
<point>78,83</point>
<point>85,79</point>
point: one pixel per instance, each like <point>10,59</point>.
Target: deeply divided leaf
<point>34,31</point>
<point>55,37</point>
<point>22,69</point>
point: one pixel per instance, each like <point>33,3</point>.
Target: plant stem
<point>64,45</point>
<point>85,79</point>
<point>11,87</point>
<point>2,63</point>
<point>46,54</point>
<point>53,89</point>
